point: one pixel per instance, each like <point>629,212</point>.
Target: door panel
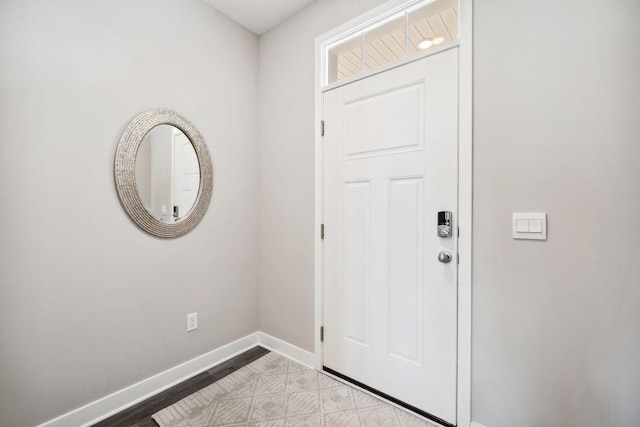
<point>357,241</point>
<point>186,174</point>
<point>390,164</point>
<point>405,268</point>
<point>386,114</point>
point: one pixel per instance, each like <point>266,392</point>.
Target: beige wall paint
<point>89,303</point>
<point>556,324</point>
<point>287,127</point>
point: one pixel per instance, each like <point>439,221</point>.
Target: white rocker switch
<point>522,225</point>
<point>535,226</point>
<point>530,225</point>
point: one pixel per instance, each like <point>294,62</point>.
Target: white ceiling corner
<point>259,16</point>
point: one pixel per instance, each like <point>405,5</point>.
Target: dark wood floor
<point>140,415</point>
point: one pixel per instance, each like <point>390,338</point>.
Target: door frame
<point>465,181</point>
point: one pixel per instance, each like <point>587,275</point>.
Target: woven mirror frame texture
<point>125,173</point>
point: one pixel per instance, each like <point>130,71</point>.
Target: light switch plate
<point>529,225</point>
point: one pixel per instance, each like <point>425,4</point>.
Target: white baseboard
<point>107,406</point>
<point>120,400</point>
<point>291,351</point>
<point>475,424</point>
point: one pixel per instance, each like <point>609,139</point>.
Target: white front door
<point>390,154</point>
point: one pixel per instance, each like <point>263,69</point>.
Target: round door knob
<point>444,257</point>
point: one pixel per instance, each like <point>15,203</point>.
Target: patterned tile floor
<point>275,391</point>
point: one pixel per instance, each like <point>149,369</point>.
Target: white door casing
<point>390,164</point>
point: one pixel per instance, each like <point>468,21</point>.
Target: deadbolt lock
<point>444,224</point>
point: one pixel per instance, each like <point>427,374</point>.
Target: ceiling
<point>259,16</point>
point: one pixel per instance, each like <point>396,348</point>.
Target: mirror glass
<point>167,173</point>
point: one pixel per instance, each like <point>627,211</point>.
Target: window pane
<point>405,33</point>
<point>432,25</point>
<point>384,44</point>
<point>345,59</point>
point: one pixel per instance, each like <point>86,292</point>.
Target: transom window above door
<point>408,31</point>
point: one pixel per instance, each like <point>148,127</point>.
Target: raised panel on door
<point>391,127</point>
<point>405,291</point>
<point>390,164</point>
<point>356,262</point>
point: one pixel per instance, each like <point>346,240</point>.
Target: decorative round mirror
<point>163,173</point>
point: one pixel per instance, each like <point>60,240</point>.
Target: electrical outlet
<point>192,321</point>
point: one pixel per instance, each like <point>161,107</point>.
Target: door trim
<point>465,191</point>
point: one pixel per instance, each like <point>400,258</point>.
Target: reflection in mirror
<point>167,173</point>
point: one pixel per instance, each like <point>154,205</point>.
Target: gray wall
<point>556,324</point>
<point>89,303</point>
<point>286,193</point>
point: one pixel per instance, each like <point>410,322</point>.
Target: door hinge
<point>321,333</point>
<point>321,127</point>
<point>322,231</point>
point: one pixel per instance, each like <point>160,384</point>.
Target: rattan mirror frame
<point>125,172</point>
